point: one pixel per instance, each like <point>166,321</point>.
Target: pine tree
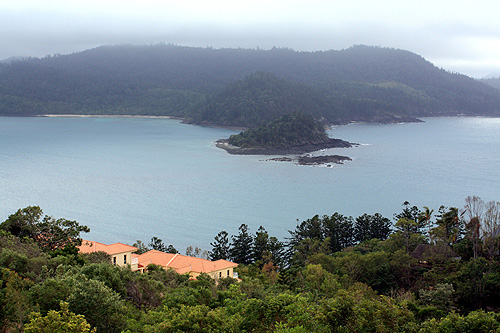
<point>367,227</point>
<point>241,246</point>
<point>339,229</point>
<point>220,247</point>
<point>157,244</point>
<point>260,247</point>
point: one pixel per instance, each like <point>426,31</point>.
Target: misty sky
<point>460,36</point>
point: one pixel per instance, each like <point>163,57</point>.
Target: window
<point>220,274</point>
<point>124,259</point>
<point>228,272</point>
<point>114,260</point>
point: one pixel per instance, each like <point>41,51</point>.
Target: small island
<point>295,133</point>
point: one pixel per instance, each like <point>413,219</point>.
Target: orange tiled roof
<point>183,264</point>
<point>180,263</point>
<point>155,257</point>
<point>91,246</point>
<point>136,256</point>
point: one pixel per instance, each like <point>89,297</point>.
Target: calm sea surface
<point>134,178</point>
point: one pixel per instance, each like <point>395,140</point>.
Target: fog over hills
<point>361,83</point>
<point>493,81</point>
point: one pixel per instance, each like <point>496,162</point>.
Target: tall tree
<point>157,244</point>
<point>23,223</point>
<point>412,213</point>
<point>491,229</point>
<point>311,228</point>
<point>339,229</point>
<point>449,227</point>
<point>171,249</point>
<point>276,251</point>
<point>54,234</point>
<point>196,252</point>
<point>474,210</point>
<point>241,246</point>
<point>48,232</point>
<point>407,234</point>
<point>308,238</point>
<point>220,247</point>
<point>425,219</point>
<point>141,247</point>
<point>368,227</point>
<point>260,248</point>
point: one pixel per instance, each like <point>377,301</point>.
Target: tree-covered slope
<point>361,83</point>
<point>494,82</point>
<point>290,133</point>
<point>424,271</point>
<point>261,98</point>
<point>295,129</point>
<point>31,88</point>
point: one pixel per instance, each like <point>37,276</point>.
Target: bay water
<point>135,178</point>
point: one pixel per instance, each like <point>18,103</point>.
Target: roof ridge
<point>119,243</point>
<point>172,259</point>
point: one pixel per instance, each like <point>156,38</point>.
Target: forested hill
<point>494,82</point>
<point>294,133</point>
<point>359,83</point>
<point>261,98</point>
<point>294,129</point>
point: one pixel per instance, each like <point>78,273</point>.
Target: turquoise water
<point>134,178</point>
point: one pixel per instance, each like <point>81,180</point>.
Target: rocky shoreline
<point>295,150</point>
<point>327,160</point>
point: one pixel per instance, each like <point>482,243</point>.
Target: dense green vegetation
<point>425,273</point>
<point>261,98</point>
<point>230,87</point>
<point>290,130</point>
<point>33,89</point>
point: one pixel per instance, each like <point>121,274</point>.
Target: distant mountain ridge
<point>361,83</point>
<point>12,59</point>
<point>494,82</point>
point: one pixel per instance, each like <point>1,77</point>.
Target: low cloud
<point>455,44</point>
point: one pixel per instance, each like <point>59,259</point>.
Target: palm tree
<point>425,220</point>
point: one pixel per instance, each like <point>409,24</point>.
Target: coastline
<point>183,120</point>
<point>104,116</point>
<point>234,150</point>
<point>307,160</point>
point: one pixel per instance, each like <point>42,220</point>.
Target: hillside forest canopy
<point>294,133</point>
<point>290,130</point>
<point>242,87</point>
<point>419,271</point>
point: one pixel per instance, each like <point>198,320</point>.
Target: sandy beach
<point>103,116</point>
